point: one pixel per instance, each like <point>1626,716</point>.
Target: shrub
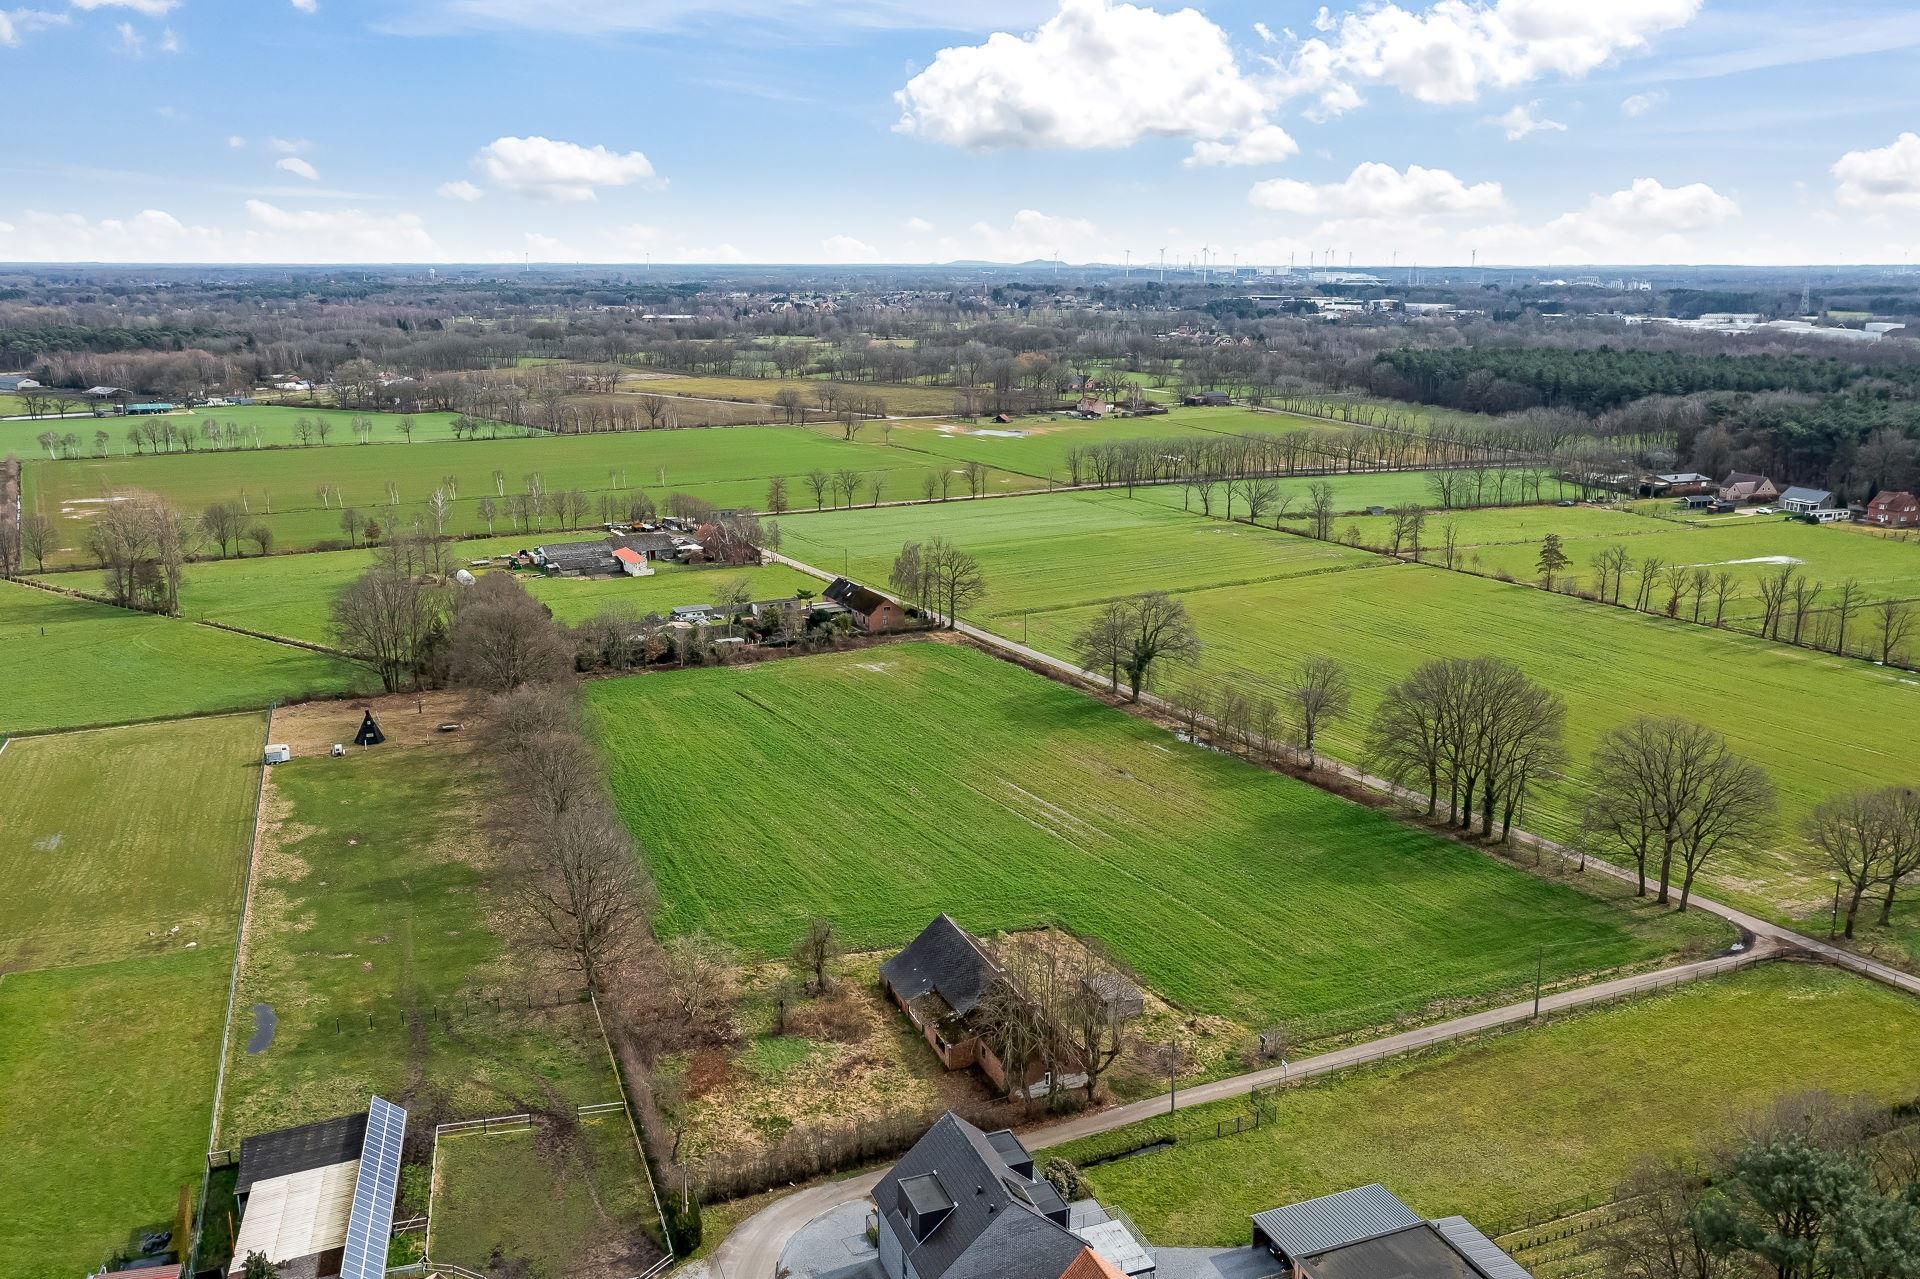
<point>1065,1178</point>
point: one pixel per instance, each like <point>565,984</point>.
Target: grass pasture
<point>1037,445</point>
<point>95,664</point>
<point>280,486</point>
<point>1516,1125</point>
<point>901,400</point>
<point>880,788</point>
<point>110,841</point>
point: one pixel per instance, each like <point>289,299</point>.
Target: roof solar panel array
<point>371,1223</point>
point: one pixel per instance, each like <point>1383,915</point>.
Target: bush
<point>1065,1178</point>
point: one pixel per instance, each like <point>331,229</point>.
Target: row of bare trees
<point>1870,839</point>
<point>938,578</point>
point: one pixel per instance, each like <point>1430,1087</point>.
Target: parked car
<point>1764,510</point>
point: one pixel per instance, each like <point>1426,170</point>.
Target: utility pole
<point>1833,924</point>
<point>1539,968</point>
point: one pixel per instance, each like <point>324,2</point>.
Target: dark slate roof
<point>1799,493</point>
<point>1417,1252</point>
<point>302,1149</point>
<point>1334,1221</point>
<point>578,555</point>
<point>943,958</point>
<point>1483,1252</point>
<point>1008,1147</point>
<point>862,600</point>
<point>992,1232</point>
<point>650,543</point>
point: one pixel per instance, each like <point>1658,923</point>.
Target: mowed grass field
<point>379,941</point>
<point>1795,712</point>
<point>1522,1123</point>
<point>901,400</point>
<point>260,426</point>
<point>883,787</point>
<point>729,467</point>
<point>83,663</point>
<point>1038,445</point>
<point>109,841</point>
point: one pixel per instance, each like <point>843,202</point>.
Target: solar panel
<point>371,1223</point>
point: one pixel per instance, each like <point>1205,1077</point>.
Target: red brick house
<point>871,610</point>
<point>1744,486</point>
<point>1894,510</point>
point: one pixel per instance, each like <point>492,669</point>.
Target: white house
<point>632,562</point>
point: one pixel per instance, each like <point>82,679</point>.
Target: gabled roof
<point>627,555</point>
<point>993,1231</point>
<point>862,600</point>
<point>1334,1221</point>
<point>1799,493</point>
<point>944,958</point>
<point>291,1150</point>
<point>1893,501</point>
<point>576,554</point>
<point>1743,477</point>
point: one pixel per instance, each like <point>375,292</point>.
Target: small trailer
<point>279,754</point>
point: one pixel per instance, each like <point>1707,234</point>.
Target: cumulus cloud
<point>1884,178</point>
<point>235,141</point>
<point>1267,144</point>
<point>560,171</point>
<point>151,8</point>
<point>1641,103</point>
<point>1375,190</point>
<point>1455,50</point>
<point>1028,235</point>
<point>1521,121</point>
<point>919,226</point>
<point>1095,75</point>
<point>15,23</point>
<point>460,190</point>
<point>289,146</point>
<point>271,234</point>
<point>298,168</point>
<point>845,248</point>
<point>633,240</point>
<point>1646,221</point>
<point>307,6</point>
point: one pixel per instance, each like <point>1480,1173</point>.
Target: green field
<point>901,401</point>
<point>729,467</point>
<point>85,663</point>
<point>377,941</point>
<point>574,600</point>
<point>109,842</point>
<point>564,1204</point>
<point>1037,446</point>
<point>1517,1125</point>
<point>880,788</point>
<point>260,426</point>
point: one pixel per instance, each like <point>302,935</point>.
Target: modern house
<point>1805,501</point>
<point>871,610</point>
<point>1678,484</point>
<point>317,1200</point>
<point>941,981</point>
<point>1367,1232</point>
<point>1893,510</point>
<point>1743,486</point>
<point>966,1204</point>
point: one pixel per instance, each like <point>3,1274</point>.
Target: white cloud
<point>547,248</point>
<point>1457,49</point>
<point>1030,234</point>
<point>1645,222</point>
<point>1521,121</point>
<point>151,8</point>
<point>845,248</point>
<point>708,253</point>
<point>561,171</point>
<point>272,234</point>
<point>307,6</point>
<point>1095,75</point>
<point>1267,144</point>
<point>289,146</point>
<point>1884,178</point>
<point>132,43</point>
<point>633,240</point>
<point>919,226</point>
<point>169,42</point>
<point>235,141</point>
<point>1375,190</point>
<point>298,168</point>
<point>15,23</point>
<point>1641,103</point>
<point>460,190</point>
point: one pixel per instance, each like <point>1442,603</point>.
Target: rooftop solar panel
<point>371,1223</point>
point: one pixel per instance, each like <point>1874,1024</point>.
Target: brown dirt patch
<point>407,719</point>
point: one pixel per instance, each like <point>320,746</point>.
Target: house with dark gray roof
<point>871,610</point>
<point>1366,1232</point>
<point>1800,500</point>
<point>955,1207</point>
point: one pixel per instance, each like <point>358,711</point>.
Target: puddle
<point>264,1023</point>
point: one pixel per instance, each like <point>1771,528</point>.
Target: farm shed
<point>1367,1232</point>
<point>577,558</point>
<point>632,562</point>
<point>318,1199</point>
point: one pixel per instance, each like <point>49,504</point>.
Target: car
<point>1764,510</point>
<point>1566,502</point>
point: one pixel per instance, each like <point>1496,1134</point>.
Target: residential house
<point>966,1204</point>
<point>632,562</point>
<point>577,559</point>
<point>1893,510</point>
<point>1367,1232</point>
<point>943,980</point>
<point>1678,484</point>
<point>871,610</point>
<point>1208,398</point>
<point>1799,500</point>
<point>1092,407</point>
<point>1743,486</point>
<point>298,1187</point>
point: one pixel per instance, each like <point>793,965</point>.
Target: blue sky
<point>1532,131</point>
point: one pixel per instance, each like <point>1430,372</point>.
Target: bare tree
<point>1893,623</point>
<point>1656,1234</point>
<point>819,480</point>
<point>1319,693</point>
<point>502,637</point>
<point>39,537</point>
<point>387,617</point>
<point>261,535</point>
<point>1320,509</point>
<point>1135,635</point>
<point>818,947</point>
<point>1672,787</point>
<point>777,495</point>
<point>578,878</point>
<point>958,582</point>
<point>699,973</point>
<point>1858,833</point>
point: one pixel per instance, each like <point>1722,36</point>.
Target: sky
<point>1256,132</point>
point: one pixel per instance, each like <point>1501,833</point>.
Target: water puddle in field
<point>264,1023</point>
<point>1005,435</point>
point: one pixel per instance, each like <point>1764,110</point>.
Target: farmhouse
<point>1805,501</point>
<point>1743,486</point>
<point>1893,510</point>
<point>318,1199</point>
<point>1212,399</point>
<point>871,610</point>
<point>941,981</point>
<point>577,559</point>
<point>1367,1232</point>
